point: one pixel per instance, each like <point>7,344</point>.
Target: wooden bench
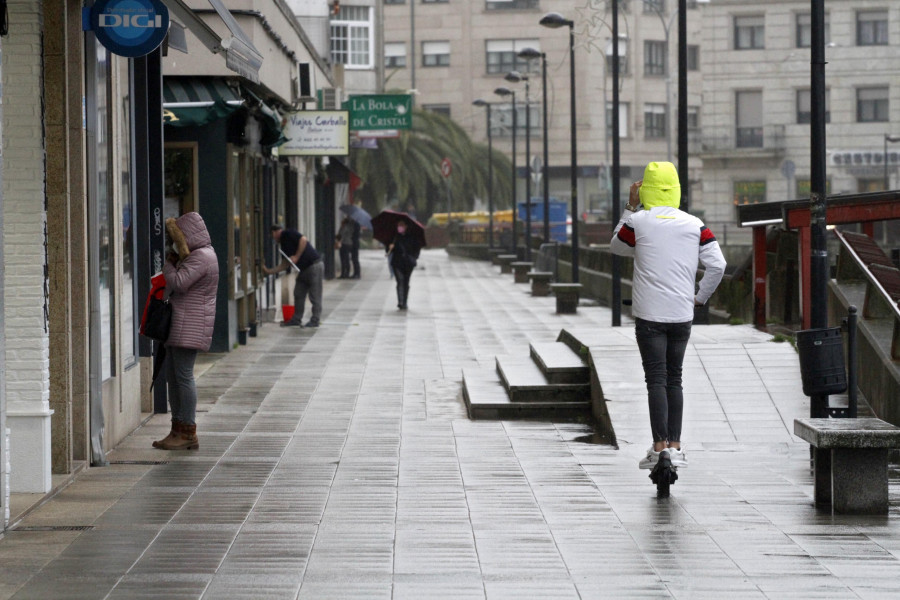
<point>540,282</point>
<point>850,462</point>
<point>567,295</point>
<point>505,261</point>
<point>520,271</point>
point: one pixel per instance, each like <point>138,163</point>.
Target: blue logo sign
<point>129,28</point>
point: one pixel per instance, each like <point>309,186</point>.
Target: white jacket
<point>667,244</point>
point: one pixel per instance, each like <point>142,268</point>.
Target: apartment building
<point>756,100</point>
<point>453,52</point>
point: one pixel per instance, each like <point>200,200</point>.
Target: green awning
<point>196,101</point>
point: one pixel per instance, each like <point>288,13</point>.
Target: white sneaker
<point>649,461</point>
<point>679,458</point>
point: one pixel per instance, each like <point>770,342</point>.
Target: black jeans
<point>662,347</point>
<point>346,253</point>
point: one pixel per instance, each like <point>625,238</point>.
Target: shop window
<point>749,192</point>
<point>128,300</point>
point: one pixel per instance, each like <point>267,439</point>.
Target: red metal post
<point>805,275</point>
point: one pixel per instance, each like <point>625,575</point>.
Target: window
<point>871,104</point>
<point>691,3</point>
<point>435,1</point>
<point>351,37</point>
<point>749,33</point>
<point>749,132</point>
<point>749,192</point>
<point>654,121</point>
<point>443,109</point>
<point>804,30</point>
<point>395,1</point>
<point>693,118</point>
<point>502,56</point>
<point>510,4</point>
<point>693,58</point>
<point>623,56</point>
<point>655,55</point>
<point>395,55</point>
<point>804,106</point>
<point>435,54</point>
<point>872,28</point>
<point>623,118</point>
<point>654,6</point>
<point>502,117</point>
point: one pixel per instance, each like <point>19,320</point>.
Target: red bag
<point>158,291</point>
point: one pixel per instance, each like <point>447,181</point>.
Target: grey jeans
<point>662,347</point>
<point>182,389</point>
<point>309,283</point>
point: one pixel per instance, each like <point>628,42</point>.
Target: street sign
<point>537,167</point>
<point>788,168</point>
<point>446,167</point>
<point>379,111</point>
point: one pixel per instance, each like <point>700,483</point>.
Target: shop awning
<point>196,101</point>
<point>241,56</point>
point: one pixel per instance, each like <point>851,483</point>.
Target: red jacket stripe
<point>626,234</point>
<point>706,236</point>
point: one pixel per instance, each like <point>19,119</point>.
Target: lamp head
<point>515,77</point>
<point>554,20</point>
<point>892,138</point>
<point>530,54</point>
<point>504,91</point>
<point>480,102</point>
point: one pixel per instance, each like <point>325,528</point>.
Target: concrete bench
<point>495,253</point>
<point>850,462</point>
<point>505,261</point>
<point>520,270</point>
<point>567,295</point>
<point>540,282</point>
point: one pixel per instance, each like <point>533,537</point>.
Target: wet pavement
<point>339,463</point>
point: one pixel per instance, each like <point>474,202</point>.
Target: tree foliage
<point>406,171</point>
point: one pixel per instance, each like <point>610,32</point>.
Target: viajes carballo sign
<point>129,28</point>
<point>316,133</point>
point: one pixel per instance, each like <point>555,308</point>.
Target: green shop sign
<point>379,112</point>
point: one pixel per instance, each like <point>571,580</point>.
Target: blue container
<point>558,216</point>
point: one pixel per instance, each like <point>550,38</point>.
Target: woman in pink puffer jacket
<point>192,279</point>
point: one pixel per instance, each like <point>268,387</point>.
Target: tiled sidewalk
<point>339,463</point>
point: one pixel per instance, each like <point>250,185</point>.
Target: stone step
<point>524,382</point>
<point>486,399</point>
<point>559,363</point>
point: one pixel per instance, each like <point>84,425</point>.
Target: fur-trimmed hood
<point>187,232</point>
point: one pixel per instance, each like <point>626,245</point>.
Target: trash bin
<point>822,361</point>
<point>287,312</point>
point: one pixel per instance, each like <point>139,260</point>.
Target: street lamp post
<point>892,139</point>
<point>505,91</point>
<point>487,105</point>
<point>529,54</point>
<point>515,77</point>
<point>555,20</point>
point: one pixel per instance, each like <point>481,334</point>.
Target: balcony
<point>745,143</point>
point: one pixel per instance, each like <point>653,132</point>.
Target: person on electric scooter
<point>667,245</point>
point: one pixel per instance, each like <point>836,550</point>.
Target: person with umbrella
<point>403,248</point>
<point>359,218</point>
<point>344,242</point>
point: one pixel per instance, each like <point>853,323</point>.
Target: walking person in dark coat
<point>345,244</point>
<point>309,279</point>
<point>403,252</point>
<point>192,280</point>
<point>354,253</point>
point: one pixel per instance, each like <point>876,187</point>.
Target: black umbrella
<point>358,214</point>
<point>384,227</point>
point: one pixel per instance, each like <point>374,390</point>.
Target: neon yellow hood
<point>660,186</point>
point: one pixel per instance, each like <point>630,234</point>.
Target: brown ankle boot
<point>185,440</point>
<point>173,435</point>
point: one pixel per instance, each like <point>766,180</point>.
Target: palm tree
<point>406,170</point>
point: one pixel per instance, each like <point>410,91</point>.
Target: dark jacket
<point>405,252</point>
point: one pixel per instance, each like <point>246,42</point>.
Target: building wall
<point>26,298</point>
<point>779,70</point>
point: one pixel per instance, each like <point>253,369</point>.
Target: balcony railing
<point>765,139</point>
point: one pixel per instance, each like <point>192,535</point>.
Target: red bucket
<point>287,312</point>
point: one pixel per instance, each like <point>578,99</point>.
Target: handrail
<point>874,286</point>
